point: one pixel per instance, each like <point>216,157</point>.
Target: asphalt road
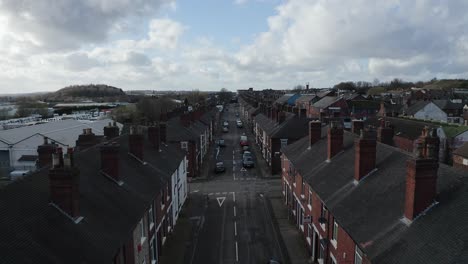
<point>233,222</point>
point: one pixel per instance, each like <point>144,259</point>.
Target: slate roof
<point>177,132</point>
<point>65,131</point>
<point>326,101</point>
<point>293,127</point>
<point>36,232</point>
<point>28,158</point>
<point>416,107</point>
<point>448,105</point>
<point>402,127</point>
<point>462,151</point>
<point>283,99</point>
<point>371,211</point>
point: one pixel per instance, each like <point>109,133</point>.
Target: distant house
<point>193,132</point>
<point>437,110</point>
<point>274,130</point>
<point>405,133</point>
<point>329,106</point>
<point>304,103</point>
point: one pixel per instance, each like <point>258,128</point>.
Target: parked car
<point>237,114</point>
<point>247,154</point>
<point>244,141</point>
<point>226,124</point>
<point>239,124</point>
<point>220,143</point>
<point>225,129</point>
<point>248,162</point>
<point>245,148</point>
<point>220,167</point>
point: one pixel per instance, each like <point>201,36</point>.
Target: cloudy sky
<point>183,45</point>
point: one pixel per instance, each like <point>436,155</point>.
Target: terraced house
<point>105,201</point>
<point>356,200</point>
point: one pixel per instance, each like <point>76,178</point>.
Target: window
<point>184,145</point>
<point>309,201</point>
<point>151,215</point>
<point>142,229</point>
<point>358,256</point>
<point>321,252</point>
<point>323,211</point>
<point>284,143</point>
<point>302,187</point>
<point>163,195</point>
<point>335,232</point>
<point>153,251</point>
<point>332,260</point>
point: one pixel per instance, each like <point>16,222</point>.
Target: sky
<point>207,45</point>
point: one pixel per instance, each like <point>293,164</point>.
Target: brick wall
<point>141,243</point>
<point>458,162</point>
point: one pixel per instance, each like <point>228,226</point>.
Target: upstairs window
<point>358,256</point>
<point>335,231</point>
<point>284,142</point>
<point>151,215</point>
<point>184,145</point>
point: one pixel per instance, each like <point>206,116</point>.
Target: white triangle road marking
<point>220,200</point>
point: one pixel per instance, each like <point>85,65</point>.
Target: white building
<point>18,146</point>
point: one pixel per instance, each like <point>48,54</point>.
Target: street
<point>230,212</point>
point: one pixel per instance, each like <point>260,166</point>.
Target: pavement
<point>234,217</point>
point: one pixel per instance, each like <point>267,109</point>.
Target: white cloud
<point>123,43</point>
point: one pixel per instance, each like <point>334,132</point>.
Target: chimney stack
<point>185,119</point>
<point>421,181</point>
<point>429,137</point>
<point>269,110</point>
<point>154,136</point>
<point>136,142</point>
<point>110,160</point>
<point>87,139</point>
<point>64,183</point>
<point>315,132</point>
<point>163,132</point>
<point>385,133</point>
<point>45,152</point>
<point>365,154</point>
<point>357,126</point>
<point>281,117</point>
<point>111,131</point>
<point>335,139</point>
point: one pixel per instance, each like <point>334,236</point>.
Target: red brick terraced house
<point>110,202</point>
<point>356,200</point>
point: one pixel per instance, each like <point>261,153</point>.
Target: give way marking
<point>220,200</point>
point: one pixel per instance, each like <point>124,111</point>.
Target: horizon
<point>173,45</point>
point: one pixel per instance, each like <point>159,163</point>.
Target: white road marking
<point>224,192</point>
<point>235,228</point>
<point>218,193</point>
<point>237,252</point>
<point>235,212</point>
<point>220,200</point>
<point>234,162</point>
<point>195,191</point>
<point>210,194</point>
<point>234,196</point>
